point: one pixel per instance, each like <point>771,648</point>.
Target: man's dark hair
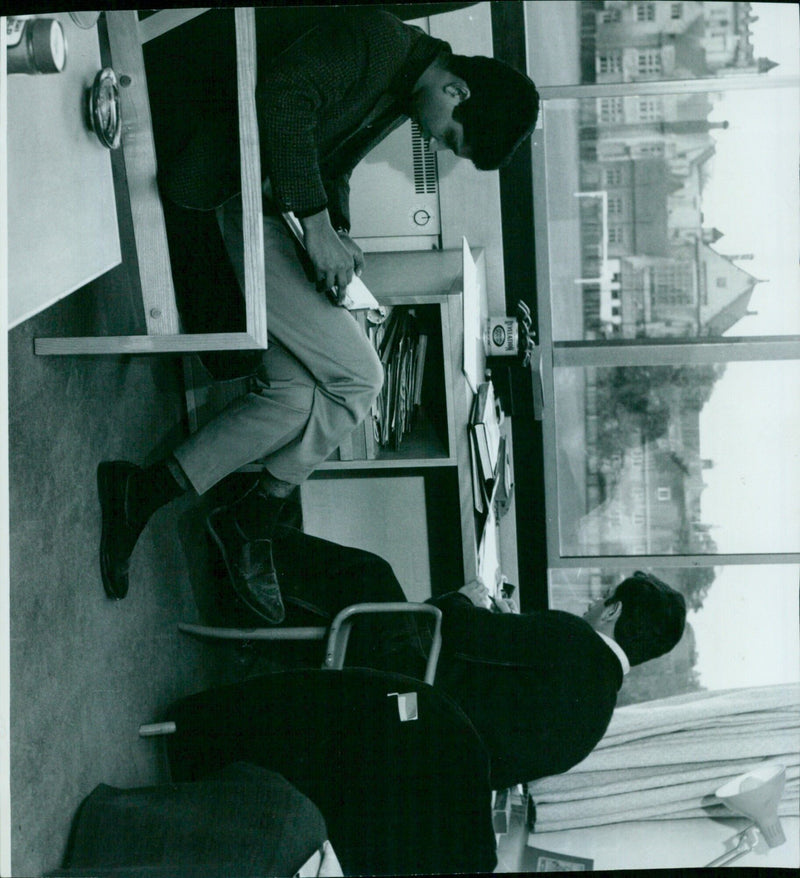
<point>652,619</point>
<point>500,112</point>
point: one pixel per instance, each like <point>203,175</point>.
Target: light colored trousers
<point>315,384</point>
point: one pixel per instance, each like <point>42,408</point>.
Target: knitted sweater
<point>323,101</point>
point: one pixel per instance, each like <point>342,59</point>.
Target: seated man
<point>322,104</point>
<point>539,687</point>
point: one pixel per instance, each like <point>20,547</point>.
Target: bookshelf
<point>437,447</point>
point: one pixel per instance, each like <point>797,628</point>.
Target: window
<point>648,62</point>
<point>611,110</point>
<point>612,16</point>
<point>702,470</point>
<point>650,149</point>
<point>650,109</point>
<point>610,62</point>
<point>762,646</point>
<point>655,454</point>
<point>645,11</point>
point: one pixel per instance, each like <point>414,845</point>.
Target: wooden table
<point>126,35</point>
<point>62,215</point>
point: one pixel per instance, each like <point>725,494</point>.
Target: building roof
<point>731,314</point>
<point>726,305</point>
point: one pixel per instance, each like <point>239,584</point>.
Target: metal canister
<point>501,338</point>
<point>35,45</point>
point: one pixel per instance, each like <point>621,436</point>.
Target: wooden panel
<point>146,344</point>
<point>165,20</point>
<point>252,220</point>
<point>158,295</point>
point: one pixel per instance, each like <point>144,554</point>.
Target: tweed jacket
<point>539,687</point>
<point>323,103</point>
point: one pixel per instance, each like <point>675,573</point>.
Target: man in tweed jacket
<point>323,103</point>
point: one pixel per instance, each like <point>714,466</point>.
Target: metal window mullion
<point>655,352</point>
<point>664,86</point>
<point>625,562</point>
<point>543,292</point>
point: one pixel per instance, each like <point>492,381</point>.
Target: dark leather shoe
<point>249,564</point>
<point>119,533</point>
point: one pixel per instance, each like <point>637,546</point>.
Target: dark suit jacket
<point>539,687</point>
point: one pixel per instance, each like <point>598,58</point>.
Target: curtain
<point>663,759</point>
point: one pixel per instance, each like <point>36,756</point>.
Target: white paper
<point>470,301</point>
<point>358,297</point>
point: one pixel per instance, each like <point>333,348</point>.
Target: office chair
<point>396,768</point>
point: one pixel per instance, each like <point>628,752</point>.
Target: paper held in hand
<point>357,296</point>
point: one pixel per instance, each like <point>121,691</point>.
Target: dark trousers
<point>319,578</point>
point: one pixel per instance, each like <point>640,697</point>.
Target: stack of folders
<point>402,349</point>
<point>486,445</point>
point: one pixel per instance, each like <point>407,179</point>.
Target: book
<point>485,426</point>
<point>419,367</point>
<point>357,296</point>
<point>477,486</point>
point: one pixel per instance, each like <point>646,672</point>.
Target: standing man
<point>323,103</point>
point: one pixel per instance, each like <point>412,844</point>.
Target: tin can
<point>35,45</point>
<point>501,338</point>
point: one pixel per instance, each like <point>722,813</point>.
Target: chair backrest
<point>401,791</point>
<point>339,633</point>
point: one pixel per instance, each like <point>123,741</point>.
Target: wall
<point>380,515</point>
<point>470,199</point>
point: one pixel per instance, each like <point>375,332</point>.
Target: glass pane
<point>678,459</point>
<point>741,627</point>
<point>674,215</point>
<point>595,42</point>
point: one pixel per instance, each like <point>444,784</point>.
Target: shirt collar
<point>618,651</point>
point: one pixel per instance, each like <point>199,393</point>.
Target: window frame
<point>632,352</point>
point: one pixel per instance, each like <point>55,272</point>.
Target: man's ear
<point>457,89</point>
<point>612,612</point>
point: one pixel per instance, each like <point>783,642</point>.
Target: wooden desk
<point>62,214</point>
<point>158,296</point>
<point>437,449</point>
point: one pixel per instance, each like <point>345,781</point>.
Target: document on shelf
<point>485,425</point>
<point>357,296</point>
<point>471,314</point>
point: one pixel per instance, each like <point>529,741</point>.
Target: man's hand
<point>506,605</point>
<point>354,250</point>
<point>332,259</point>
<point>477,592</point>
